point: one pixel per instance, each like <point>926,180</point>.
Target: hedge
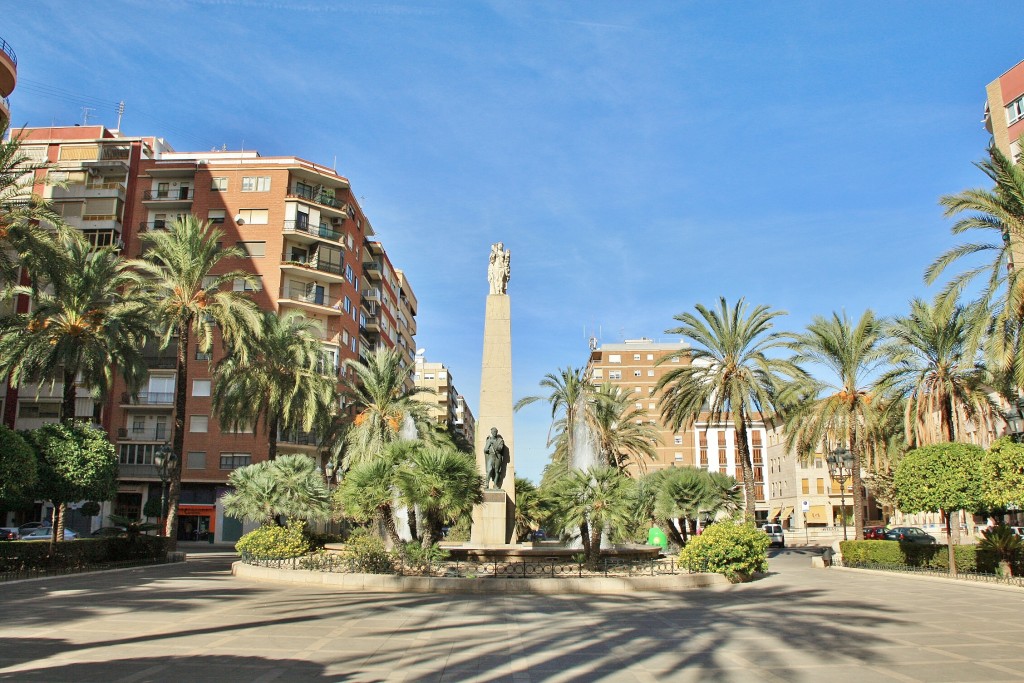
<point>896,554</point>
<point>19,556</point>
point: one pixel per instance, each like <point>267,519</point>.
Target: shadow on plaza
<point>223,668</point>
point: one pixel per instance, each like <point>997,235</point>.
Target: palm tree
<point>680,497</point>
<point>933,371</point>
<point>380,393</point>
<point>89,322</point>
<point>999,212</point>
<point>848,410</point>
<point>593,500</point>
<point>367,494</point>
<point>443,483</point>
<point>570,392</point>
<point>290,486</point>
<point>730,376</point>
<point>192,297</point>
<point>622,434</point>
<point>281,381</point>
<point>529,507</point>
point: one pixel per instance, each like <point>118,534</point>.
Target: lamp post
<point>840,468</point>
<point>165,461</point>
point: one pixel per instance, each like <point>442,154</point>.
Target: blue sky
<point>637,158</point>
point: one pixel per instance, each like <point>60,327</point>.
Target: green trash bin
<point>657,537</point>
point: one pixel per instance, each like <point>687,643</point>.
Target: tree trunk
<point>58,528</point>
<point>683,531</point>
<point>387,518</point>
<point>67,405</point>
<point>858,489</point>
<point>178,440</point>
<point>410,513</point>
<point>743,455</point>
<point>585,539</point>
<point>272,427</point>
<point>673,533</point>
<point>948,429</point>
<point>53,522</point>
<point>949,543</point>
<point>595,542</point>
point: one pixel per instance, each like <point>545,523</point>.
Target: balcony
<point>163,399</point>
<point>179,197</point>
<point>311,299</point>
<point>113,190</point>
<point>8,68</point>
<point>154,225</point>
<point>371,295</point>
<point>303,229</point>
<point>298,438</point>
<point>104,238</point>
<point>332,271</point>
<point>315,196</point>
<point>372,270</point>
<point>160,433</point>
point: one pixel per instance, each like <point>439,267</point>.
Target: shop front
<point>196,522</point>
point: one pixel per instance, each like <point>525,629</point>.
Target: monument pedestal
<point>490,526</point>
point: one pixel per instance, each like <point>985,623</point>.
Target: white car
<point>1018,530</point>
<point>43,534</point>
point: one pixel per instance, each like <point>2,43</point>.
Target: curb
<point>921,577</point>
<point>387,583</point>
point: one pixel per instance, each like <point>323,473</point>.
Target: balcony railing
<point>115,152</point>
<point>167,195</point>
<point>147,398</point>
<point>158,433</point>
<point>161,362</point>
<point>298,438</point>
<point>316,263</point>
<point>154,225</point>
<point>9,51</point>
<point>313,196</point>
<point>371,294</point>
<point>321,231</point>
<point>299,293</point>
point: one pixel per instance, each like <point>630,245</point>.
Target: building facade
<point>1004,110</point>
<point>447,406</point>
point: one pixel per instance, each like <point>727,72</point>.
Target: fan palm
<point>370,488</point>
<point>681,497</point>
<point>529,507</point>
<point>999,212</point>
<point>379,391</point>
<point>89,323</point>
<point>280,382</point>
<point>191,298</point>
<point>848,409</point>
<point>593,500</point>
<point>622,433</point>
<point>943,387</point>
<point>443,483</point>
<point>730,376</point>
<point>291,486</point>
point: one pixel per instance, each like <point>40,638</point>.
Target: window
<point>650,406</point>
<point>256,183</point>
<point>805,485</point>
<point>821,486</point>
<point>241,428</point>
<point>639,389</point>
<point>344,336</point>
<point>650,356</point>
<point>614,374</point>
<point>32,409</point>
<point>232,461</point>
<point>639,406</point>
<point>675,359</point>
<point>254,249</point>
<point>703,449</point>
<point>650,373</point>
<point>200,387</point>
<point>723,458</point>
<point>636,356</point>
<point>199,424</point>
<point>349,275</point>
<point>1015,111</point>
<point>241,285</point>
<point>219,184</point>
<point>216,216</point>
<point>428,375</point>
<point>637,373</point>
<point>346,304</point>
<point>598,373</point>
<point>195,461</point>
<point>253,216</point>
<point>678,456</point>
<point>614,358</point>
<point>678,440</point>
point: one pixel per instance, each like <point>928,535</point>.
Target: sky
<point>637,158</point>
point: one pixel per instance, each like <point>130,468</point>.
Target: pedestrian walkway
<point>194,622</point>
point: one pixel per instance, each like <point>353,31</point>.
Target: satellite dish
<point>420,352</point>
<point>239,220</point>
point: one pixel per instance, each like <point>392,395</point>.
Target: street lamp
<point>329,470</point>
<point>165,461</point>
<point>840,468</point>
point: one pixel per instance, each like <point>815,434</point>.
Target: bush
<point>414,556</point>
<point>152,508</point>
<point>272,542</point>
<point>18,556</point>
<point>736,550</point>
<point>969,558</point>
<point>366,554</point>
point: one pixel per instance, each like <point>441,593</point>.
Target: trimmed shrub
<point>272,542</point>
<point>969,558</point>
<point>366,554</point>
<point>737,551</point>
<point>18,556</point>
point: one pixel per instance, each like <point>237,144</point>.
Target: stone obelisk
<point>494,520</point>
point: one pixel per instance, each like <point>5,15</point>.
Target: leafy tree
<point>17,465</point>
<point>1003,471</point>
<point>152,508</point>
<point>686,494</point>
<point>443,483</point>
<point>944,478</point>
<point>76,462</point>
<point>621,432</point>
<point>845,410</point>
<point>934,370</point>
<point>90,323</point>
<point>730,376</point>
<point>191,297</point>
<point>281,381</point>
<point>89,509</point>
<point>291,486</point>
<point>382,399</point>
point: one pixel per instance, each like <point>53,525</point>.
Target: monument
<point>494,519</point>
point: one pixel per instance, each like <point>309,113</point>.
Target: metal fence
<point>510,569</point>
<point>937,573</point>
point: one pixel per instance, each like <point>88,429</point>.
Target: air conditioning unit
<point>337,221</point>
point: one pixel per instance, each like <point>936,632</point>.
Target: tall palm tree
<point>570,392</point>
<point>932,369</point>
<point>730,376</point>
<point>622,434</point>
<point>849,409</point>
<point>443,483</point>
<point>383,401</point>
<point>281,381</point>
<point>999,212</point>
<point>192,296</point>
<point>89,322</point>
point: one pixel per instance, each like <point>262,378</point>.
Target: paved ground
<point>194,622</point>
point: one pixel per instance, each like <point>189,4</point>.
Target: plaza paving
<point>194,622</point>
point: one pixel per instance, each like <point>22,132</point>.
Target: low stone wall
<point>390,583</point>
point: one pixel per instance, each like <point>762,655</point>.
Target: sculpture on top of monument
<point>499,268</point>
<point>494,458</point>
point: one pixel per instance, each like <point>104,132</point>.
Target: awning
<point>818,514</point>
<point>773,513</point>
<point>787,511</point>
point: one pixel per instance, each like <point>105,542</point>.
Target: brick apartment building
<point>447,406</point>
<point>305,238</point>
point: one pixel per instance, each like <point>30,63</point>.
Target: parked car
<point>108,531</point>
<point>909,534</point>
<point>29,527</point>
<point>44,533</point>
<point>9,533</point>
<point>1018,530</point>
<point>874,533</point>
<point>775,535</point>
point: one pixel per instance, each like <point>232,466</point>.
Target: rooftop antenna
<point>85,115</point>
<point>120,113</point>
<point>335,163</point>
